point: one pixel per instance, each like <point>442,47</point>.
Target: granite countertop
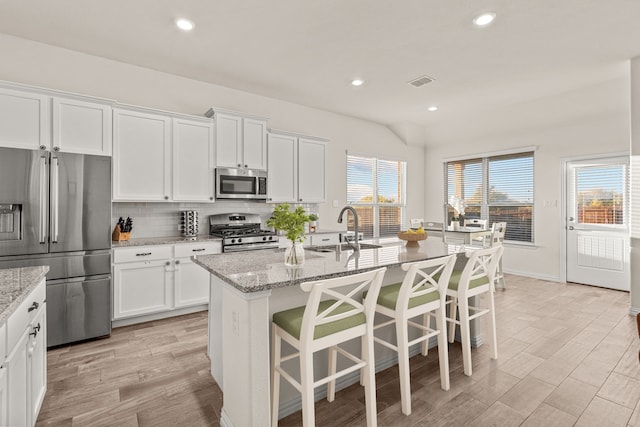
<point>15,285</point>
<point>150,241</point>
<point>259,270</point>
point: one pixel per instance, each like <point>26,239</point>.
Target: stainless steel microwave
<point>238,183</point>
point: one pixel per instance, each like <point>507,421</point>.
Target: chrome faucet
<point>356,246</point>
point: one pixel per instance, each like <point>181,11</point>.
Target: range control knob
<point>233,240</point>
<point>239,240</point>
<point>270,237</point>
<point>264,238</point>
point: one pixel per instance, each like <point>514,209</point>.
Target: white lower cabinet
<point>166,280</point>
<point>23,371</point>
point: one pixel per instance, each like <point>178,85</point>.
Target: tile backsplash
<point>163,219</point>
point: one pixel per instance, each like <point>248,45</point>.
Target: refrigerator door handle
<point>43,201</point>
<point>55,198</point>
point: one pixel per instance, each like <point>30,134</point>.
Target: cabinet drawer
<point>142,253</point>
<point>324,239</point>
<point>191,249</point>
<point>3,344</point>
<point>24,314</point>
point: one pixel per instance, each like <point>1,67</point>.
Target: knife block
<point>119,236</point>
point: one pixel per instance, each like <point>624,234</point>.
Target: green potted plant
<point>313,222</point>
<point>292,223</point>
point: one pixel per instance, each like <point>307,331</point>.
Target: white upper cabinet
<point>42,120</point>
<point>312,164</point>
<point>158,157</point>
<point>193,161</point>
<point>81,127</point>
<point>282,166</point>
<point>297,169</point>
<point>141,156</point>
<point>24,120</point>
<point>241,142</point>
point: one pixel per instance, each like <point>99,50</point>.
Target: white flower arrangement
<point>458,205</point>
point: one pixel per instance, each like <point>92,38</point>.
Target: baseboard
<point>157,316</point>
<point>534,276</point>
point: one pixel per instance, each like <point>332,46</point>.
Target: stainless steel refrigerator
<point>55,210</point>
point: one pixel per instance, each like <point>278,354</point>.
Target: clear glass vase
<point>294,255</point>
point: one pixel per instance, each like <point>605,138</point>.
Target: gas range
<point>241,232</point>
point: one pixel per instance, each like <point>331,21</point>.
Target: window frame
<point>375,205</point>
<point>485,205</point>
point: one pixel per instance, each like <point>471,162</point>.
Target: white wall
<point>603,128</point>
<point>635,185</point>
<point>42,65</point>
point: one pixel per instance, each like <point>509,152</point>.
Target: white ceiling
<point>307,51</point>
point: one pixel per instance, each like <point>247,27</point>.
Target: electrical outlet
<point>235,322</point>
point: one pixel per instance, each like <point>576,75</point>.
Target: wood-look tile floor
<point>568,355</point>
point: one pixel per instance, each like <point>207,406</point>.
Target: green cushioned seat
<point>455,281</point>
<point>388,297</point>
<point>291,320</point>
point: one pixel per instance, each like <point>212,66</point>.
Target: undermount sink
<point>342,247</point>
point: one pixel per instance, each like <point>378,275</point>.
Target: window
<point>495,188</point>
<point>376,189</point>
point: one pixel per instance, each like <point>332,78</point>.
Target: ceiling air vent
<point>421,81</point>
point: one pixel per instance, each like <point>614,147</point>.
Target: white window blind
<point>498,189</point>
<point>600,194</point>
<point>376,189</point>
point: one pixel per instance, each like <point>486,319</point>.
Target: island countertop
<point>260,270</point>
<point>15,285</point>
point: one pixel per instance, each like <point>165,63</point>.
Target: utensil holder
<point>189,223</point>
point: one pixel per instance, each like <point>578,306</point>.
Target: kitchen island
<point>248,287</point>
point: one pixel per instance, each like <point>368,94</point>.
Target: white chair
<point>434,228</point>
<point>498,230</point>
<point>421,293</point>
<point>475,279</point>
<point>325,324</point>
<point>477,223</point>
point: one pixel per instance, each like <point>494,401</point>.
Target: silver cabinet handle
<point>239,165</point>
<point>167,263</point>
<point>144,254</point>
<point>43,201</point>
<point>246,166</point>
<point>33,306</point>
<point>571,227</point>
<point>325,240</point>
<point>211,198</point>
<point>197,250</point>
<point>166,197</point>
<point>177,261</point>
<point>43,147</point>
<point>570,218</point>
<point>36,329</point>
<point>55,198</point>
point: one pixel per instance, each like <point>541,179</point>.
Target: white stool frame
<point>306,346</point>
<point>400,317</point>
<point>481,263</point>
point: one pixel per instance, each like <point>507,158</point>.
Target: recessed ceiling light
<point>433,108</point>
<point>357,82</point>
<point>484,19</point>
<point>184,24</point>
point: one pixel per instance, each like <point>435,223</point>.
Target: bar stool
<point>325,324</point>
<point>421,293</point>
<point>475,279</point>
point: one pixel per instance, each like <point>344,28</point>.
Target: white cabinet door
<point>141,288</point>
<point>281,159</point>
<point>228,140</point>
<point>81,127</point>
<point>254,143</point>
<point>24,120</point>
<point>4,395</point>
<point>17,380</point>
<point>311,171</point>
<point>193,161</point>
<point>191,283</point>
<point>37,359</point>
<point>142,156</point>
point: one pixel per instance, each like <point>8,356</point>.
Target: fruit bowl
<point>412,239</point>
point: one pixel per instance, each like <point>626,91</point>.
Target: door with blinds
<point>597,226</point>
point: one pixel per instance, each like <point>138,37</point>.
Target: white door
<point>141,156</point>
<point>24,120</point>
<point>597,231</point>
<point>3,396</point>
<point>228,140</point>
<point>254,143</point>
<point>311,171</point>
<point>282,185</point>
<point>193,163</point>
<point>141,288</point>
<point>81,127</point>
<point>17,383</point>
<point>37,355</point>
<point>191,283</point>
